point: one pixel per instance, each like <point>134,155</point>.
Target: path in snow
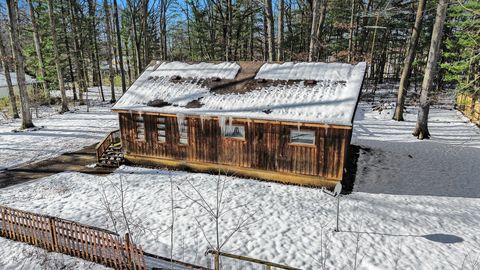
<point>393,161</point>
<point>77,161</point>
<point>59,133</point>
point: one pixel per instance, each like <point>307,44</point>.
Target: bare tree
<point>270,30</point>
<point>132,10</point>
<point>78,59</point>
<point>318,17</point>
<point>145,35</point>
<point>67,47</point>
<point>421,129</point>
<point>216,208</point>
<point>61,83</point>
<point>412,46</point>
<point>281,15</point>
<point>350,36</point>
<point>6,70</point>
<point>163,6</point>
<point>38,48</point>
<point>96,74</point>
<point>119,45</point>
<point>19,62</point>
<point>111,72</point>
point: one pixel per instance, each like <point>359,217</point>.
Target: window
<point>161,130</point>
<point>183,128</point>
<point>140,127</point>
<point>234,131</point>
<point>302,136</point>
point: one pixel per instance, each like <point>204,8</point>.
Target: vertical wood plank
<point>142,257</point>
<point>29,228</point>
<point>4,222</point>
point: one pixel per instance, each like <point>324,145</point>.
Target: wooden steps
<point>112,157</point>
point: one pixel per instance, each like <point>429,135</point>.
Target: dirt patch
<point>74,161</point>
<point>351,168</point>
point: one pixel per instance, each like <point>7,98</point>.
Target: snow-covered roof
<point>13,75</point>
<point>299,92</point>
<point>305,71</point>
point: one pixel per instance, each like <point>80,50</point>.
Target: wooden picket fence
<point>469,105</point>
<point>68,237</point>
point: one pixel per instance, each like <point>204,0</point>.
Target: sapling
<point>218,211</point>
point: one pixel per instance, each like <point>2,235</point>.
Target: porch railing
<point>111,138</point>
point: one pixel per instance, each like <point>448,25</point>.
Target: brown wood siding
<point>266,146</point>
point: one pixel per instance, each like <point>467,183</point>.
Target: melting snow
<point>331,100</point>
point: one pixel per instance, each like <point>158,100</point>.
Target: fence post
<point>127,245</point>
<point>3,229</point>
<point>53,234</point>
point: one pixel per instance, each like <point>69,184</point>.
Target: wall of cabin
<point>266,145</point>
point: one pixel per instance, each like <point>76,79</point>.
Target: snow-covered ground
<point>16,255</point>
<point>415,232</point>
<point>415,204</point>
<point>58,133</point>
<point>395,162</point>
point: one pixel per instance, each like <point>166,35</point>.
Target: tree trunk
<point>145,32</point>
<point>111,72</point>
<point>38,49</point>
<point>350,37</point>
<point>281,15</point>
<point>421,129</point>
<point>119,45</point>
<point>135,57</point>
<point>56,54</point>
<point>318,17</point>
<point>129,67</point>
<point>67,47</point>
<point>136,41</point>
<point>96,75</point>
<point>412,46</point>
<point>77,53</point>
<point>251,39</point>
<point>265,38</point>
<point>91,38</point>
<point>270,30</point>
<point>163,28</point>
<point>97,65</point>
<point>321,20</point>
<point>19,62</point>
<point>6,70</point>
<point>313,31</point>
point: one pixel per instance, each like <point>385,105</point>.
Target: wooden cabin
<point>288,122</point>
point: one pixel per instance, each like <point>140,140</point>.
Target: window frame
<point>312,132</point>
<point>136,120</point>
<point>185,123</point>
<point>235,138</point>
<point>164,123</point>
